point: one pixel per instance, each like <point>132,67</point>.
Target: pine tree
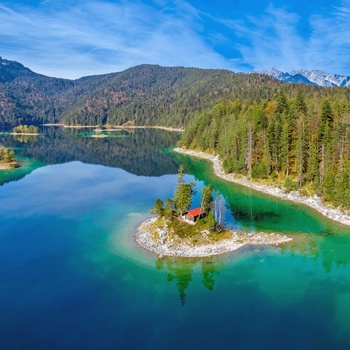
<point>343,188</point>
<point>300,102</point>
<point>169,208</point>
<point>183,193</point>
<point>284,151</point>
<point>249,149</point>
<point>313,172</point>
<point>329,184</point>
<point>158,208</point>
<point>301,151</point>
<point>326,119</point>
<point>210,219</point>
<point>282,103</point>
<point>207,198</point>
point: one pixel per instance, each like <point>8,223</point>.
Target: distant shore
<point>161,245</point>
<point>294,196</point>
<point>116,127</point>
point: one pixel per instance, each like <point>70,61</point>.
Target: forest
<point>299,139</point>
<point>30,98</point>
<point>169,96</point>
<point>142,95</point>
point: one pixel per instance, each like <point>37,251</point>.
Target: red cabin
<point>194,214</point>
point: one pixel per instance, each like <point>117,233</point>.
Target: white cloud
<point>273,39</point>
<point>97,37</point>
<point>330,40</point>
<point>277,39</point>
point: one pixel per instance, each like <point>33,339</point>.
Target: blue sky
<point>74,38</point>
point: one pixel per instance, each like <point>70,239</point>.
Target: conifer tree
<point>282,103</point>
<point>301,151</point>
<point>168,208</point>
<point>300,102</point>
<point>183,192</point>
<point>207,198</point>
<point>158,208</point>
<point>313,168</point>
<point>284,151</point>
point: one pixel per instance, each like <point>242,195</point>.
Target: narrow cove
<point>72,276</point>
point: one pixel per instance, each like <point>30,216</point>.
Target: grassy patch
<point>199,233</point>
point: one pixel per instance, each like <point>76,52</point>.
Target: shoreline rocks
<point>294,196</point>
<point>159,245</point>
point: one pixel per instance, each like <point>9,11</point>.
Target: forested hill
<point>143,95</point>
<point>154,95</point>
<point>300,140</point>
<point>28,97</point>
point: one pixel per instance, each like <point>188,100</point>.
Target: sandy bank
<point>313,202</point>
<point>99,136</point>
<point>161,244</point>
<point>9,166</point>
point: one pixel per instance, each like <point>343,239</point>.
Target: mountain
<point>314,77</point>
<point>324,79</point>
<point>28,97</point>
<point>143,95</point>
<point>155,95</point>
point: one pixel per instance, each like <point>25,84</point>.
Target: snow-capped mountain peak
<point>314,77</point>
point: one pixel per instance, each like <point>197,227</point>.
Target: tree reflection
<point>332,250</point>
<point>180,271</point>
<point>208,271</point>
<point>140,152</point>
<point>25,138</point>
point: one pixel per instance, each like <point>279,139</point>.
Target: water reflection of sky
<point>74,188</point>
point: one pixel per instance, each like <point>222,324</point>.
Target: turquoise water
<point>71,276</point>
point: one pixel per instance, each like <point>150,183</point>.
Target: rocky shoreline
<point>162,244</point>
<point>313,202</point>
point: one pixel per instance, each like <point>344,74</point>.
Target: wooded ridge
<point>142,95</point>
<point>300,140</point>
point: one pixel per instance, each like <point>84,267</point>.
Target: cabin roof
<point>196,212</point>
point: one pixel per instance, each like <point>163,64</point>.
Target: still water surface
<point>71,276</point>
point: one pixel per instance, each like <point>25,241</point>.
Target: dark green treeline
<point>300,138</point>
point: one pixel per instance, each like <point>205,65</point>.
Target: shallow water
<point>71,276</point>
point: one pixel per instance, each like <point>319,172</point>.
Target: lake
<point>71,276</point>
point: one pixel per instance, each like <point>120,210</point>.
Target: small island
<point>7,159</point>
<point>182,232</point>
<point>26,130</point>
